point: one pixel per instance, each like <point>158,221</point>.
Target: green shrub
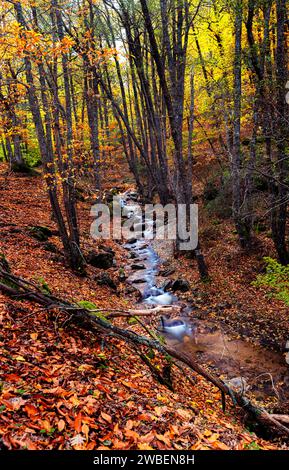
<point>276,279</point>
<point>32,157</point>
<point>2,158</point>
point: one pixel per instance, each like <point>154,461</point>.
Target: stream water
<point>264,374</point>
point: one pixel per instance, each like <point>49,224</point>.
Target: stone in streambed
<point>139,281</point>
<point>131,241</point>
<point>137,267</point>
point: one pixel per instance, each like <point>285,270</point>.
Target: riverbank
<point>64,388</point>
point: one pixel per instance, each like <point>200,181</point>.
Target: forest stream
<point>261,373</point>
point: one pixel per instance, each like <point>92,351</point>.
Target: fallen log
<point>31,291</point>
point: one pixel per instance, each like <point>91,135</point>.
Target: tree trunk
<point>279,209</point>
<point>238,193</point>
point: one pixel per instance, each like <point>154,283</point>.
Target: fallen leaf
<point>31,410</point>
<point>85,430</point>
<point>163,439</point>
<point>20,358</point>
<point>106,417</point>
<point>77,423</point>
<point>144,446</point>
<point>184,414</point>
<point>61,425</point>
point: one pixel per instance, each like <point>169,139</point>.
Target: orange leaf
<point>85,430</point>
<point>144,446</point>
<point>214,437</point>
<point>91,445</point>
<point>46,425</point>
<point>12,378</point>
<point>31,410</point>
<point>134,435</point>
<point>77,423</point>
<point>128,384</point>
<point>220,445</point>
<point>184,414</point>
<point>102,388</point>
<point>163,439</point>
<point>106,417</point>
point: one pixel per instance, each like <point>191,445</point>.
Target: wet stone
<point>137,267</point>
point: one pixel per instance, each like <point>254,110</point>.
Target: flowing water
<point>244,365</point>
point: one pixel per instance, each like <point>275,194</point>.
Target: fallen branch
<point>23,287</point>
<point>160,309</point>
<point>282,418</point>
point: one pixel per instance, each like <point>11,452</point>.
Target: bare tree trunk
<point>91,95</point>
<point>69,182</point>
<point>279,209</point>
<point>238,194</point>
<point>190,132</point>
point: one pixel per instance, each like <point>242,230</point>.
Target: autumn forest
<point>164,325</point>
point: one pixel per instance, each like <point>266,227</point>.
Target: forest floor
<point>65,388</point>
